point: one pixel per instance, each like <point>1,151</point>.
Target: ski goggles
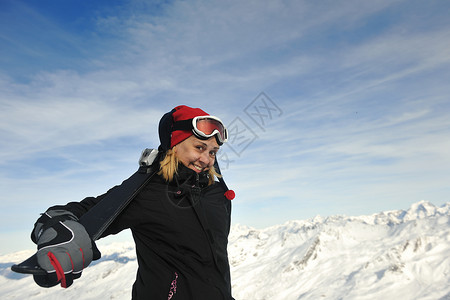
<point>204,127</point>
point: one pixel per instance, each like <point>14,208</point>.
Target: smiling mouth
<point>199,168</point>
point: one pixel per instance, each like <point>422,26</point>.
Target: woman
<point>180,221</point>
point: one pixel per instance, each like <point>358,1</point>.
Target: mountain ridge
<point>398,254</point>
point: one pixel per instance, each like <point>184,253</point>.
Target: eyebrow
<point>206,145</point>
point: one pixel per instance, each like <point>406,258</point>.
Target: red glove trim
<point>82,255</point>
<point>71,261</point>
<point>59,270</point>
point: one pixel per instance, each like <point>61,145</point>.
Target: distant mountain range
<point>402,254</point>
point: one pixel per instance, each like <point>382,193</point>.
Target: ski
<point>97,219</point>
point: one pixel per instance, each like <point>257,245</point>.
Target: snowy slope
<point>390,255</point>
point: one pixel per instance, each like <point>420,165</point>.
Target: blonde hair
<point>169,167</point>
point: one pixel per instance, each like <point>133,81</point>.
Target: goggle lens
<point>204,127</point>
<point>209,127</point>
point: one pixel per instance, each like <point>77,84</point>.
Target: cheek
<point>187,157</point>
<point>192,157</point>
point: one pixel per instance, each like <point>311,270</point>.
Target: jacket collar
<point>187,175</point>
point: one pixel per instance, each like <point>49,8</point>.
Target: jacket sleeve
<point>80,208</point>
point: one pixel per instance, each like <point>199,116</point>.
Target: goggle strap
<point>182,125</point>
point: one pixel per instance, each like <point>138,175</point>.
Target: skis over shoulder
<point>97,219</point>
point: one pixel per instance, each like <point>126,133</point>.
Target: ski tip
<point>29,266</point>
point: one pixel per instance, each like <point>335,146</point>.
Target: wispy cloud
<point>362,87</point>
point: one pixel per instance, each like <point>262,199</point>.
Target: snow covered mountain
<point>390,255</point>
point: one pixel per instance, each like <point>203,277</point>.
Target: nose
<point>204,158</point>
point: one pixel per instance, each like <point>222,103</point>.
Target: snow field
<point>390,255</point>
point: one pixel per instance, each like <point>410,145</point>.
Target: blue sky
<point>334,107</point>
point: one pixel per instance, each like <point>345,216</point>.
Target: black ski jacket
<point>181,234</point>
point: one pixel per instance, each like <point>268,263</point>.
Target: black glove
<point>64,248</point>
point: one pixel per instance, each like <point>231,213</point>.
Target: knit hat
<point>180,113</point>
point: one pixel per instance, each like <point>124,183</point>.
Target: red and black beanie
<point>169,138</point>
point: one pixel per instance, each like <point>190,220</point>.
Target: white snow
<point>390,255</point>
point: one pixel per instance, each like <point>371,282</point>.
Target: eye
<point>213,153</point>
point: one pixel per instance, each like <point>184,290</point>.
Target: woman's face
<point>196,154</point>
